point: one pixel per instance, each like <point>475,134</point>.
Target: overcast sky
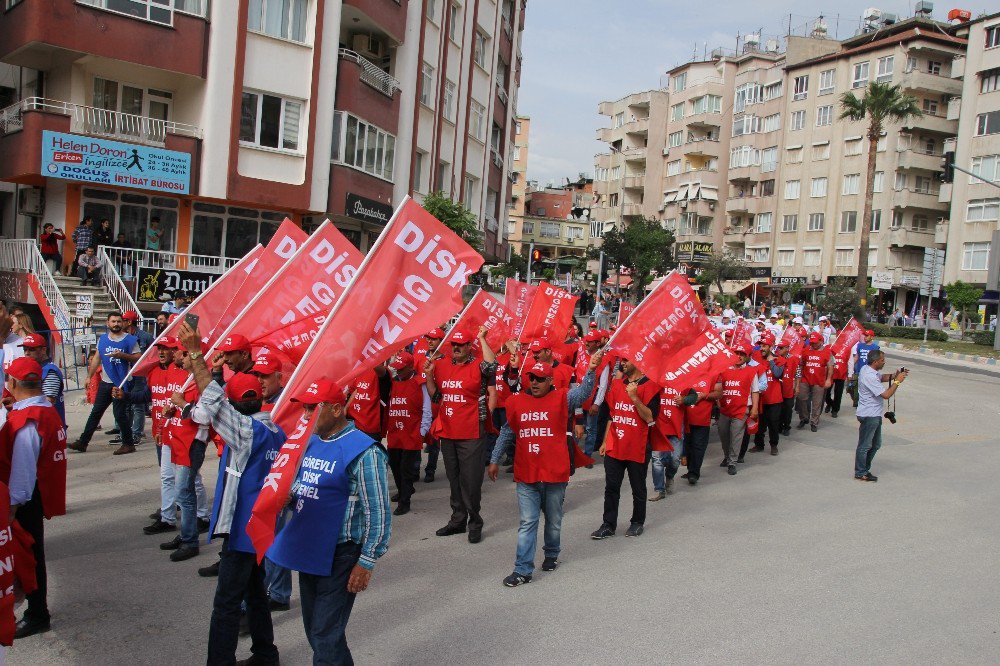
<point>580,52</point>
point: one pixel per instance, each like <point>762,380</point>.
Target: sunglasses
<point>537,380</point>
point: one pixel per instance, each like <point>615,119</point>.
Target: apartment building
<point>220,119</point>
<point>557,224</point>
<point>518,182</point>
<point>975,204</point>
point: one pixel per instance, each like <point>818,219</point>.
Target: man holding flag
<point>409,419</point>
<point>817,376</point>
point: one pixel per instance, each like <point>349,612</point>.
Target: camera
<point>891,417</point>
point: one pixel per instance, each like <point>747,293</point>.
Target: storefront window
<point>206,235</point>
<point>131,213</point>
<point>241,236</point>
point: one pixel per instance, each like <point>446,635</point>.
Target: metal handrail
<point>113,281</point>
<point>21,255</point>
<point>166,259</point>
<point>372,74</point>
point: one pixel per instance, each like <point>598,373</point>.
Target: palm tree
<point>881,103</point>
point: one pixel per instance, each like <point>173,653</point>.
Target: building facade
<point>518,182</point>
<point>250,111</point>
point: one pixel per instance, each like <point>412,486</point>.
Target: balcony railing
<point>372,74</point>
<point>501,93</point>
<point>98,122</point>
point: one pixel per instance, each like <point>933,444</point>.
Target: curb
<point>969,358</point>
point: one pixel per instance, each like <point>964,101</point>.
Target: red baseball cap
<point>435,334</point>
<point>539,370</point>
<point>266,364</point>
<point>815,337</point>
<point>539,345</point>
<point>244,386</point>
<point>461,337</point>
<point>34,341</point>
<point>592,337</point>
<point>404,359</point>
<point>169,342</point>
<point>321,390</point>
<point>867,333</point>
<point>234,342</point>
<point>130,315</point>
<point>767,338</point>
<point>781,343</point>
<point>593,325</point>
<point>25,369</point>
<point>743,348</point>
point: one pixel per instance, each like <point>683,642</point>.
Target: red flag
<point>670,338</point>
<point>850,335</point>
<point>486,310</point>
<point>794,341</point>
<point>624,310</point>
<point>742,334</point>
<point>551,311</point>
<point>517,298</point>
<point>410,281</point>
<point>291,341</point>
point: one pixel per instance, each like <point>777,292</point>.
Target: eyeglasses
<point>537,380</point>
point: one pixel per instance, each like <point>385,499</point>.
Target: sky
<point>578,53</point>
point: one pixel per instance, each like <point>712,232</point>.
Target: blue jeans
<point>869,442</point>
<point>532,500</point>
<point>665,464</point>
<point>186,496</point>
<point>137,417</point>
<point>326,607</point>
<point>596,424</point>
<point>278,580</point>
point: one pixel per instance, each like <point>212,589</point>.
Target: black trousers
<point>834,394</point>
<point>405,468</point>
<point>119,408</point>
<point>614,474</point>
<point>29,516</point>
<point>770,420</point>
<point>787,410</point>
<point>240,578</point>
<point>465,465</point>
<point>695,446</point>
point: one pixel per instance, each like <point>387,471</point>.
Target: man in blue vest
<point>339,523</point>
<point>858,360</point>
<point>252,443</point>
<point>116,352</point>
<point>53,386</point>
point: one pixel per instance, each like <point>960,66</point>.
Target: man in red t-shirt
<point>429,345</point>
<point>633,403</point>
<point>771,399</point>
<point>789,384</point>
<point>833,395</point>
<point>738,402</point>
<point>817,376</point>
<point>408,420</point>
<point>562,373</point>
<point>665,440</point>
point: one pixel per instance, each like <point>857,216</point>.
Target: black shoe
<point>25,628</point>
<point>758,449</point>
<point>786,432</point>
<point>550,564</point>
<point>590,466</point>
<point>774,450</point>
<point>277,606</point>
<point>813,428</point>
<point>244,624</point>
<point>635,529</point>
<point>155,515</point>
<point>826,409</point>
<point>173,544</point>
<point>253,660</point>
<point>732,470</point>
<point>693,480</point>
<point>834,414</point>
<point>77,446</point>
<point>183,553</point>
<point>115,431</point>
<point>475,536</point>
<point>394,498</point>
<point>203,525</point>
<point>450,529</point>
<point>686,475</point>
<point>401,510</point>
<point>802,424</point>
<point>428,477</point>
<point>867,477</point>
<point>159,527</point>
<point>211,571</point>
<point>724,463</point>
<point>116,440</point>
<point>516,579</point>
<point>603,532</point>
<point>872,477</point>
<point>740,460</point>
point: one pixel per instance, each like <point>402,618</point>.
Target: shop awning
<point>710,194</point>
<point>622,281</point>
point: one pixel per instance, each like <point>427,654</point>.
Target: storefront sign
<point>760,272</point>
<point>797,308</point>
<point>882,279</point>
<point>693,251</point>
<point>90,160</point>
<point>157,285</point>
<point>787,279</point>
<point>368,210</point>
<point>910,281</point>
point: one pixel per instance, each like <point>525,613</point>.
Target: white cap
<point>798,320</point>
<point>824,318</point>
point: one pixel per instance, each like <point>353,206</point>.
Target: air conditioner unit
<point>684,204</point>
<point>370,46</point>
<point>29,201</point>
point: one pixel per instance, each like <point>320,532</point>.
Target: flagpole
<point>460,317</point>
<point>621,326</point>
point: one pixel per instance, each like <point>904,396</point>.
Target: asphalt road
<point>791,561</point>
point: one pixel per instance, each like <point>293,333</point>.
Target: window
<point>549,229</point>
<point>479,49</point>
<point>852,146</point>
<point>989,80</point>
<point>982,210</point>
<point>848,221</point>
<point>911,64</point>
<point>992,36</point>
<point>988,123</point>
<point>706,104</point>
<point>900,183</point>
<point>771,123</point>
<point>270,121</point>
<point>443,177</point>
<point>878,184</point>
<point>366,147</point>
<point>824,115</point>
<point>691,224</point>
<point>975,256</point>
<point>852,183</point>
<point>827,81</point>
<point>677,111</point>
<point>987,167</point>
<point>528,227</point>
<point>930,107</point>
<point>449,101</point>
<point>758,254</point>
<point>675,139</point>
<point>811,257</point>
<point>746,94</point>
<point>454,23</point>
<point>933,67</point>
<point>673,168</point>
<point>478,123</point>
<point>872,256</point>
<point>790,223</point>
<point>427,85</point>
<point>821,151</point>
<point>818,187</point>
<point>786,257</point>
<point>764,223</point>
<point>744,156</point>
<point>801,87</point>
<point>884,71</point>
<point>618,120</point>
<point>876,220</point>
<point>922,184</point>
<point>792,189</point>
<point>793,155</point>
<point>432,11</point>
<point>816,221</point>
<point>470,188</point>
<point>114,96</point>
<point>418,172</point>
<point>572,233</point>
<point>919,223</point>
<point>745,125</point>
<point>156,11</point>
<point>798,120</point>
<point>284,19</point>
<point>680,82</point>
<point>767,188</point>
<point>880,146</point>
<point>860,79</point>
<point>844,257</point>
<point>897,219</point>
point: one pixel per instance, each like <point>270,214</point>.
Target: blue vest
<point>320,498</point>
<point>115,369</point>
<point>262,454</point>
<point>60,403</point>
<point>863,349</point>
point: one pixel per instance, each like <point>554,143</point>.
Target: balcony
<point>377,16</point>
<point>632,210</point>
<point>954,108</point>
<point>958,67</point>
<point>639,126</point>
<point>939,84</point>
<point>919,159</point>
<point>941,233</point>
<point>48,35</point>
<point>910,198</point>
<point>705,174</point>
<point>733,235</point>
<point>604,134</point>
<point>903,237</point>
<point>635,181</point>
<point>747,205</point>
<point>702,146</point>
<point>704,120</point>
<point>637,154</point>
<point>366,91</point>
<point>932,123</point>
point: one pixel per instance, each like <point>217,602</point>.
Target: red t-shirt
<point>459,387</point>
<point>539,427</point>
<point>669,421</point>
<point>365,407</point>
<point>628,435</point>
<point>737,386</point>
<point>788,379</point>
<point>814,364</point>
<point>406,408</point>
<point>700,413</point>
<point>772,394</point>
<point>163,382</point>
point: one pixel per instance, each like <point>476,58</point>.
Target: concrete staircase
<point>103,303</point>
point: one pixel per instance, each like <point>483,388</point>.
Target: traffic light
<point>948,165</point>
<point>536,255</point>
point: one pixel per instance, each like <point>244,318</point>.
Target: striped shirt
<point>367,519</point>
<point>52,386</point>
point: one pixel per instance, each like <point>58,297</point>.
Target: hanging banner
<point>485,310</point>
<point>550,314</point>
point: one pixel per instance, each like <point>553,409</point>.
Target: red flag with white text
<point>624,310</point>
<point>670,338</point>
<point>850,335</point>
<point>486,310</point>
<point>742,333</point>
<point>550,314</point>
<point>291,342</point>
<point>517,298</point>
<point>794,341</point>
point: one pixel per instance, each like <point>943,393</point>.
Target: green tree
<point>881,104</point>
<point>963,297</point>
<point>517,265</point>
<point>839,301</point>
<point>642,247</point>
<point>456,217</point>
<point>723,266</point>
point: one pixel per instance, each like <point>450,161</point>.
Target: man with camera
<point>870,410</point>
